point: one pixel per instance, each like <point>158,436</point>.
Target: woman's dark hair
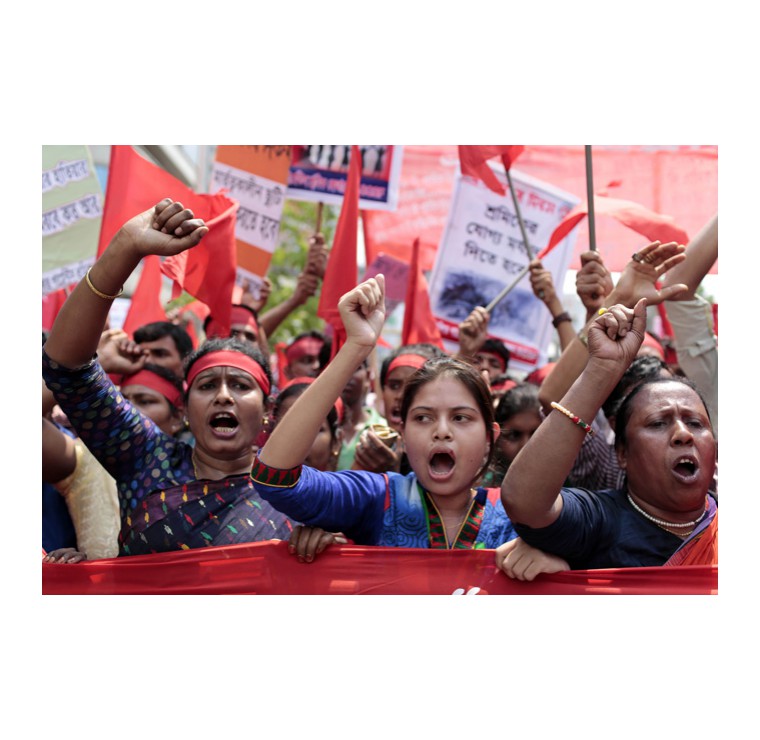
<point>422,349</point>
<point>643,367</point>
<point>230,345</point>
<point>294,390</point>
<point>625,411</point>
<point>466,374</point>
<point>523,397</point>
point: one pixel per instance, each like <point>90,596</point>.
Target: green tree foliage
<point>298,222</point>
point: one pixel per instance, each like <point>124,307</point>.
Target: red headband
<point>305,380</point>
<point>230,358</point>
<point>238,315</point>
<point>501,359</point>
<point>650,341</point>
<point>303,346</point>
<point>410,360</point>
<point>156,383</point>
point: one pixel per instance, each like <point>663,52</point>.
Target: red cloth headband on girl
<point>230,358</point>
<point>156,383</point>
<point>305,380</point>
<point>415,361</point>
<point>303,346</point>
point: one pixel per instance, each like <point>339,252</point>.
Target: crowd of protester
<point>606,457</point>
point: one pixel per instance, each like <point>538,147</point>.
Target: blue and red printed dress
<point>163,507</point>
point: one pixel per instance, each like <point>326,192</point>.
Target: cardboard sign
<point>482,252</point>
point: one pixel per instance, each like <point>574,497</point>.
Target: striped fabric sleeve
<point>262,473</point>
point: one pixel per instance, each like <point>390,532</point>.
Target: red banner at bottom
<point>267,568</point>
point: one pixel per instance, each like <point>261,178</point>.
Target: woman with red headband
<point>157,393</point>
<point>172,495</point>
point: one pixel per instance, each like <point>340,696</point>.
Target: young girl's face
<point>445,437</point>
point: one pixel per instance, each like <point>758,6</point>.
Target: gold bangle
<point>97,292</point>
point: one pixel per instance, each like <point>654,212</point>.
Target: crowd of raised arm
<point>605,458</point>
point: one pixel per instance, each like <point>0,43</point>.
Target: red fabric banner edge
<point>266,568</point>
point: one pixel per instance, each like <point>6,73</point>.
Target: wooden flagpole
<point>526,243</point>
<point>590,198</point>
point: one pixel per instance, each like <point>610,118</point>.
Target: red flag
<point>341,270</point>
<point>146,304</point>
<point>207,271</point>
<point>473,162</point>
<point>654,226</point>
<point>419,322</point>
<point>51,305</point>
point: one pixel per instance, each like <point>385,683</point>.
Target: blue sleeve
<point>348,501</point>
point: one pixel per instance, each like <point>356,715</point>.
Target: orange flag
<point>419,322</point>
<point>341,271</point>
<point>473,162</point>
<point>207,271</point>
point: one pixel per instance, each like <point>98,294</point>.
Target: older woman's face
<point>670,449</point>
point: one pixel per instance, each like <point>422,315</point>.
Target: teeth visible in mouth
<point>224,423</point>
<point>441,463</point>
<point>685,462</point>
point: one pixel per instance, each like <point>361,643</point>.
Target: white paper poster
<point>482,252</point>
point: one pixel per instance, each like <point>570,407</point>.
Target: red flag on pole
<point>654,226</point>
<point>419,323</point>
<point>341,271</point>
<point>146,304</point>
<point>473,161</point>
<point>207,271</point>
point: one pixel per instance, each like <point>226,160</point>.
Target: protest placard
<point>482,252</point>
<point>318,173</point>
<point>72,206</point>
<point>256,176</point>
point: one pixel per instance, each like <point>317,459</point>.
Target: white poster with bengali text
<point>256,176</point>
<point>72,210</point>
<point>482,252</point>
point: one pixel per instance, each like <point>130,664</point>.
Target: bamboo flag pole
<point>590,198</point>
<point>317,228</point>
<point>528,250</point>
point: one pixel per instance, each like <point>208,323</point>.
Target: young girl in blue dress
<point>449,434</point>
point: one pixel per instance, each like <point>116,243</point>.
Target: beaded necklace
<point>663,523</point>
